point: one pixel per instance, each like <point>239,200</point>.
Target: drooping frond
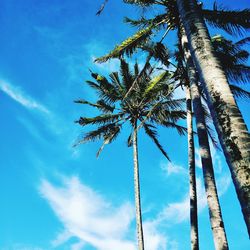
<point>97,134</point>
<point>173,104</point>
<point>129,45</point>
<point>140,2</point>
<point>180,129</point>
<point>101,119</point>
<point>239,92</point>
<point>243,41</point>
<point>109,137</point>
<point>233,58</point>
<point>161,116</point>
<point>144,22</point>
<point>101,105</point>
<point>152,133</point>
<point>158,51</point>
<point>234,22</point>
<point>130,140</point>
<point>239,73</point>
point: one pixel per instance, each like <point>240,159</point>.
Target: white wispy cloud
<point>216,158</point>
<point>22,247</point>
<point>172,168</point>
<point>17,94</point>
<point>178,212</point>
<point>86,215</point>
<point>89,217</point>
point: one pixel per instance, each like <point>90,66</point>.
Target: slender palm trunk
<point>192,176</point>
<point>220,239</point>
<point>231,128</point>
<point>137,192</point>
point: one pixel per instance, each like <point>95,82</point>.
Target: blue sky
<point>54,196</point>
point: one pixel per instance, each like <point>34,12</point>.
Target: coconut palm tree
<point>230,21</point>
<point>232,57</point>
<point>231,128</point>
<point>217,225</point>
<point>150,103</point>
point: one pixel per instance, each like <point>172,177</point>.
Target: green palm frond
<point>101,119</point>
<point>140,2</point>
<point>109,137</point>
<point>139,78</point>
<point>144,22</point>
<point>233,22</point>
<point>101,105</point>
<point>233,58</point>
<point>97,134</point>
<point>161,116</point>
<point>152,133</point>
<point>158,51</point>
<point>127,77</point>
<point>157,108</point>
<point>180,129</point>
<point>106,91</point>
<point>129,45</point>
<point>157,80</point>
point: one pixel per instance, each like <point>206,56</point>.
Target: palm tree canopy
<point>150,102</point>
<point>234,22</point>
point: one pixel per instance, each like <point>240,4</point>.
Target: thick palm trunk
<point>220,239</point>
<point>137,193</point>
<point>192,176</point>
<point>232,131</point>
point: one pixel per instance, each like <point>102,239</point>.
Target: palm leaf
<point>140,2</point>
<point>96,134</point>
<point>109,138</point>
<point>102,119</point>
<point>233,22</point>
<point>143,22</point>
<point>159,79</point>
<point>101,105</point>
<point>180,129</point>
<point>152,133</point>
<point>129,45</point>
<point>239,92</point>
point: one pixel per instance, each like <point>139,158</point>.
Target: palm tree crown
<point>149,103</point>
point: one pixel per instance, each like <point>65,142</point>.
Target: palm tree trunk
<point>137,192</point>
<point>232,131</point>
<point>192,176</point>
<point>220,239</point>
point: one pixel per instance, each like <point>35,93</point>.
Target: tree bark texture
<point>192,175</point>
<point>194,233</point>
<point>137,193</point>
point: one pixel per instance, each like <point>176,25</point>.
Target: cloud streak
<point>86,215</point>
<point>178,212</point>
<point>22,98</point>
<point>94,221</point>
